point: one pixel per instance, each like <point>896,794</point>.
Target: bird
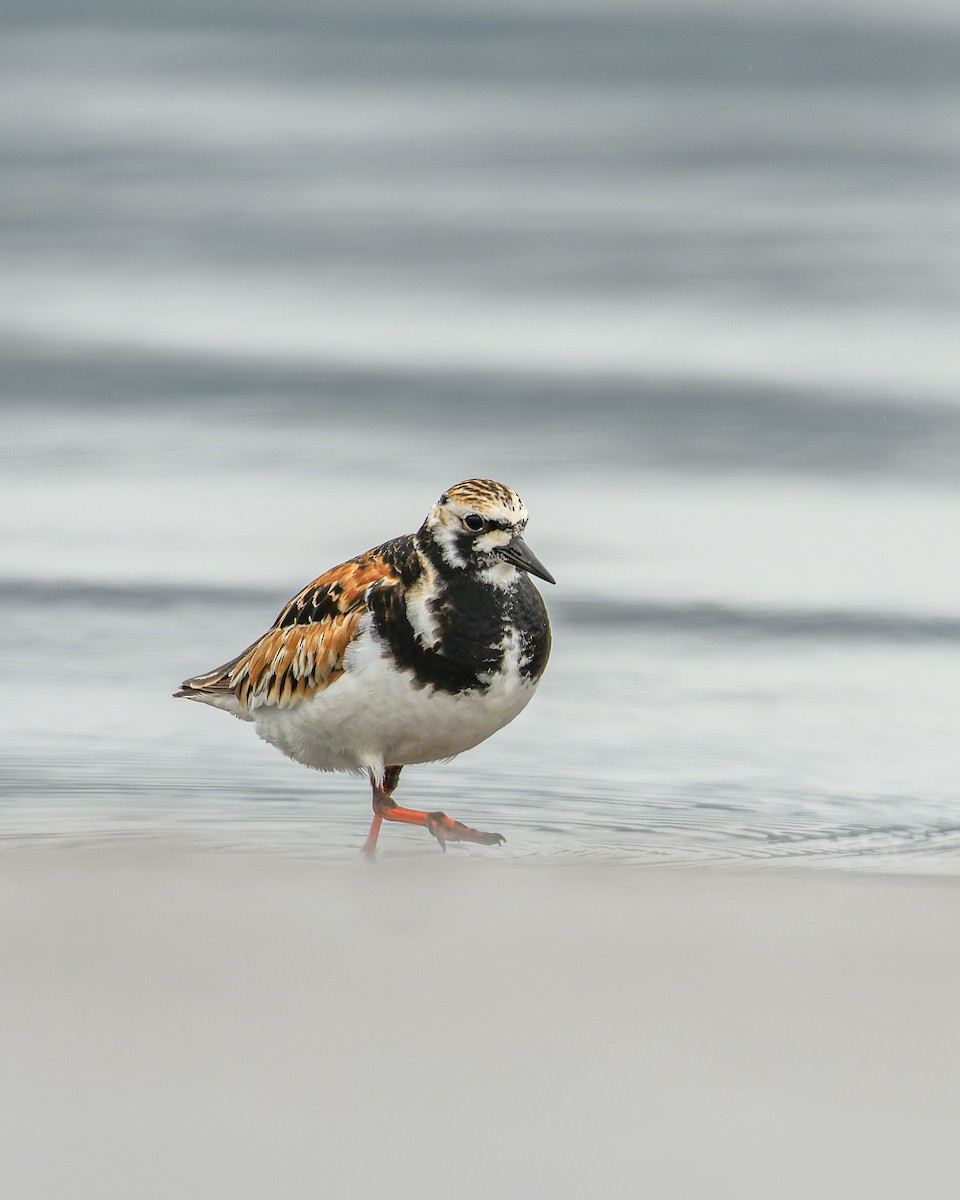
<point>412,652</point>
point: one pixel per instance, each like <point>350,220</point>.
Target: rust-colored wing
<point>303,652</point>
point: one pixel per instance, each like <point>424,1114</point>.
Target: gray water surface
<point>687,281</point>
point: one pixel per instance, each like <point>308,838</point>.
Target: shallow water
<point>688,282</point>
<point>668,733</point>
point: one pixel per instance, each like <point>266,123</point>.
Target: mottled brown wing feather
<point>304,650</point>
<point>287,664</point>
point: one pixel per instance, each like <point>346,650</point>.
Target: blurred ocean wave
<point>649,422</point>
<point>762,197</point>
<point>596,612</point>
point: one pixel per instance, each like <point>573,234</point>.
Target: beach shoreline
<point>181,1023</point>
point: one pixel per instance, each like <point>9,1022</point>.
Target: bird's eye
<point>473,522</point>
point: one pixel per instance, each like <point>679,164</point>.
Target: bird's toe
<point>446,829</point>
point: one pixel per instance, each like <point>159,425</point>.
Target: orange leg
<point>444,829</point>
<point>370,845</point>
<point>390,780</point>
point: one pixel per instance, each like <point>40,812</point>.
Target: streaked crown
<point>495,502</point>
<point>474,521</point>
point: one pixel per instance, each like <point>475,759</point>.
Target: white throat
<point>501,574</point>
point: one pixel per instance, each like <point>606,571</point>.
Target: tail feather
<point>214,687</point>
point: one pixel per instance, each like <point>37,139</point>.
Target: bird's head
<point>478,525</point>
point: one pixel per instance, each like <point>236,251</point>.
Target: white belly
<point>375,716</point>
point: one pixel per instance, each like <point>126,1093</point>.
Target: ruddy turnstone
<point>415,651</point>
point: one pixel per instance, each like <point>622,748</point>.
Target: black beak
<point>517,551</point>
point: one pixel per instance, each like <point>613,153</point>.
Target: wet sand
<point>192,1025</point>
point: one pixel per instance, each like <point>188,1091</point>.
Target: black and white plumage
<point>415,651</point>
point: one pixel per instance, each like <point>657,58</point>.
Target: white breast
<point>375,715</point>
